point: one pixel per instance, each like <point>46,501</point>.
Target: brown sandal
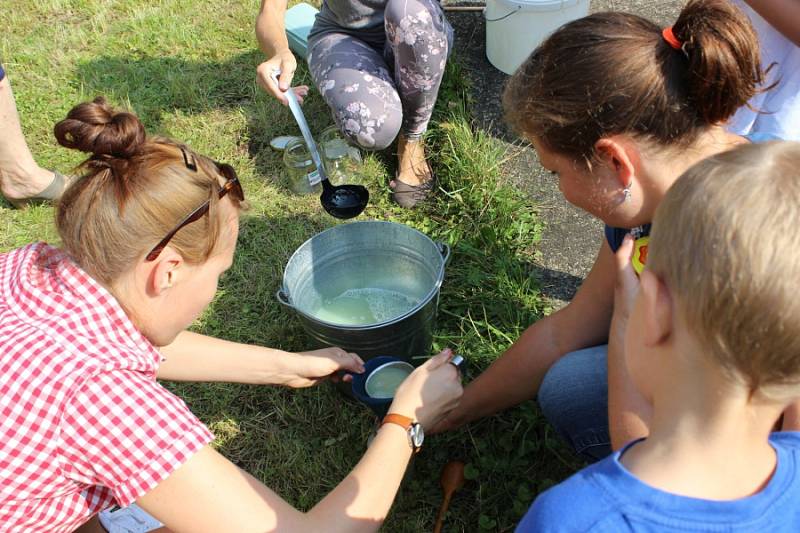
<point>409,196</point>
<point>51,193</point>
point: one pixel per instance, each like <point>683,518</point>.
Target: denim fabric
<point>574,399</point>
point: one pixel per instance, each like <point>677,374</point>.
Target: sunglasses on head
<point>232,186</point>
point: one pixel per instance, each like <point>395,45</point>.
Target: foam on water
<point>358,307</point>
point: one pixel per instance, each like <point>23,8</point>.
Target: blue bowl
<point>378,405</point>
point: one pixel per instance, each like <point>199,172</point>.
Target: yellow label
<point>639,258</point>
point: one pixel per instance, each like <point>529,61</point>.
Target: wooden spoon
<point>452,479</point>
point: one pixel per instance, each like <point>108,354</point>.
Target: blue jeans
<point>574,399</point>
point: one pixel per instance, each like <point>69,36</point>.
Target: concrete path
<point>571,237</point>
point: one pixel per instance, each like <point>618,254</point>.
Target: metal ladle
<point>340,201</point>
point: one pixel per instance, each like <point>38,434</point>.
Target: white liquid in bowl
<point>384,380</point>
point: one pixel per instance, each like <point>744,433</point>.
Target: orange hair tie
<point>673,41</point>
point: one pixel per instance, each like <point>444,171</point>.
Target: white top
<point>779,108</point>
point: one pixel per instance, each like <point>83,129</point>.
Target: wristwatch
<point>415,433</point>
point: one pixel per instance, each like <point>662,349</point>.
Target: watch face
<point>417,435</point>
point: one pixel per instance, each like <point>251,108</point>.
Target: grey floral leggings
<point>380,84</point>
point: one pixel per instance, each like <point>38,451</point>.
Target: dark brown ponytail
<point>721,48</point>
<point>612,73</point>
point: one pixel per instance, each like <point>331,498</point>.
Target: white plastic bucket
<point>514,28</point>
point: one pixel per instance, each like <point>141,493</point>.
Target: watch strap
<point>402,421</point>
<point>407,424</point>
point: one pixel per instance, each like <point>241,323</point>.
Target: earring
<point>626,192</point>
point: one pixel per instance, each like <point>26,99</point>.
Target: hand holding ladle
<point>340,201</point>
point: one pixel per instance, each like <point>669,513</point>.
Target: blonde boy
<point>713,343</point>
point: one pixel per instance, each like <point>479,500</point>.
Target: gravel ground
<point>571,237</point>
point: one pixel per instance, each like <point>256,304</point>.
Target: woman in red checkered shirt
<point>86,329</point>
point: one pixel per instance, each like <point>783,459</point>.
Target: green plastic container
<point>298,22</point>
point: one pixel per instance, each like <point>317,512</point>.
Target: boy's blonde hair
<point>726,241</point>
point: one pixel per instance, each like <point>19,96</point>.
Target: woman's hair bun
<point>97,128</point>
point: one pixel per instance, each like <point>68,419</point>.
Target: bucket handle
<point>503,17</point>
<point>444,249</point>
<point>283,298</point>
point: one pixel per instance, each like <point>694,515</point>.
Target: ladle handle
<point>297,111</point>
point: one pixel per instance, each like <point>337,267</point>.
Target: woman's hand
<point>430,392</point>
<point>309,368</point>
<point>285,63</point>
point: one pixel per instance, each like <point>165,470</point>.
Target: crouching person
<point>711,340</point>
<point>86,329</point>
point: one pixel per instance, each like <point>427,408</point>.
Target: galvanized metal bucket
<point>351,255</point>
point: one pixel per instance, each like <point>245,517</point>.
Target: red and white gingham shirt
<point>83,422</point>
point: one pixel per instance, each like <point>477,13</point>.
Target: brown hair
<point>135,189</point>
<point>725,242</point>
<point>612,73</point>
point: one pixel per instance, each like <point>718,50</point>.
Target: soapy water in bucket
<point>359,307</point>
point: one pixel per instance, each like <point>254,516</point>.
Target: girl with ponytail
<point>617,107</point>
<point>86,329</point>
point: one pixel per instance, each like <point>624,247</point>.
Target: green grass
<point>187,68</point>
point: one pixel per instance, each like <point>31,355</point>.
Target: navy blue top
<point>2,73</point>
<point>605,497</point>
<point>615,236</point>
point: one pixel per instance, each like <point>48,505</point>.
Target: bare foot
<point>412,167</point>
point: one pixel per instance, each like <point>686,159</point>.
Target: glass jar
<point>301,172</point>
<point>341,159</point>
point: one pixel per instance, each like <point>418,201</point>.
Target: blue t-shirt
<point>605,497</point>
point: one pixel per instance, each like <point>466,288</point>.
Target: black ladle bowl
<point>343,201</point>
<point>340,201</point>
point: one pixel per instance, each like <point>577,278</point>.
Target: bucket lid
<point>282,141</point>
